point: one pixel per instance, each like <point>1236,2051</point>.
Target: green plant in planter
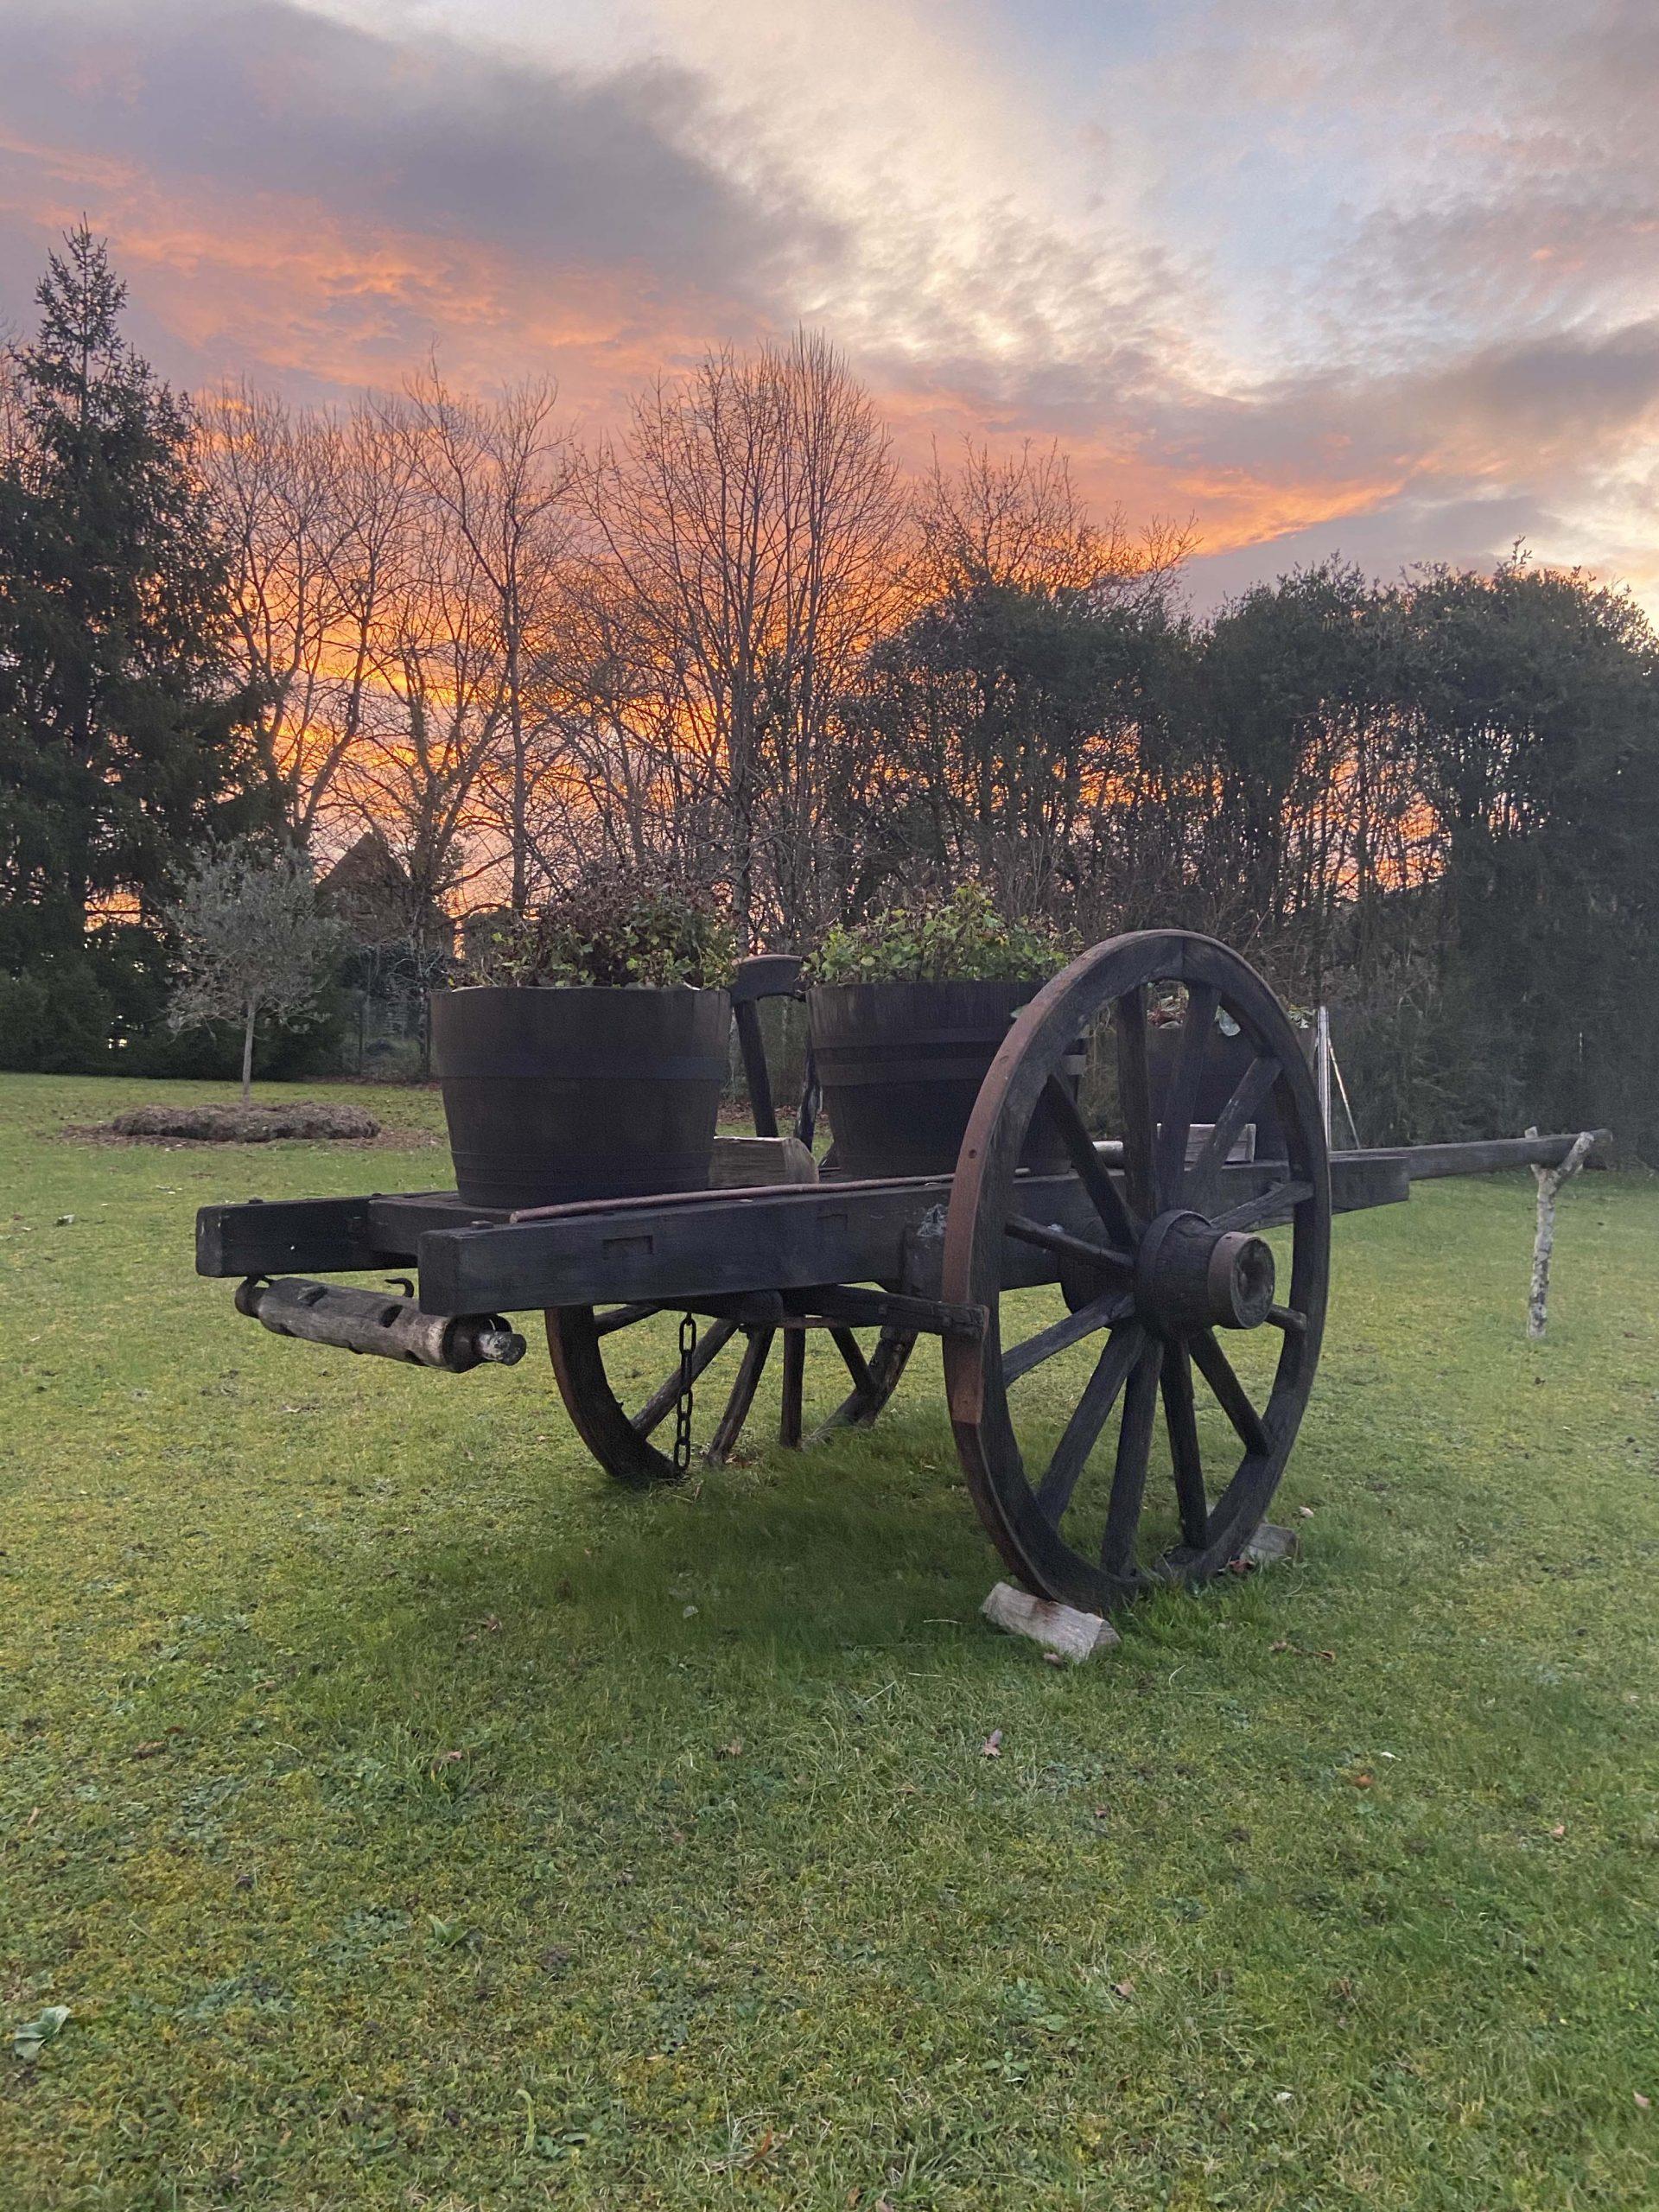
<point>962,939</point>
<point>619,925</point>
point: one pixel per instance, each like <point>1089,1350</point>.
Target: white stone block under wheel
<point>1069,1634</point>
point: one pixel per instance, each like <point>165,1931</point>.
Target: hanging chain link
<point>682,1410</point>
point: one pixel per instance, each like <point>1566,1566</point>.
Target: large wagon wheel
<point>1169,1258</point>
<point>729,1352</point>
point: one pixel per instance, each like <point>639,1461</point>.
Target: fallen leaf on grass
<point>730,1751</point>
<point>1123,1988</point>
<point>992,1746</point>
<point>1362,1781</point>
<point>29,2040</point>
<point>1559,1830</point>
<point>1643,2104</point>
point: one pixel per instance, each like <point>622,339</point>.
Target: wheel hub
<point>1189,1275</point>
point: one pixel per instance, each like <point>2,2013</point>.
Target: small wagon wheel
<point>737,1350</point>
<point>1168,1257</point>
<point>724,1370</point>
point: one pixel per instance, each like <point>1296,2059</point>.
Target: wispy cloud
<point>1324,276</point>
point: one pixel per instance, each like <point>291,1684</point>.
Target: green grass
<point>407,1817</point>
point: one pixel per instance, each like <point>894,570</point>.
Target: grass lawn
<point>409,1817</point>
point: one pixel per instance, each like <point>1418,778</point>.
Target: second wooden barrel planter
<point>902,1065</point>
<point>901,1042</point>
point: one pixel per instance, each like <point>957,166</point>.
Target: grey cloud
<point>429,137</point>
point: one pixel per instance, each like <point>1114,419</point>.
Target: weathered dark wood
<point>887,1309</point>
<point>753,1163</point>
<point>1480,1156</point>
<point>1169,1151</point>
<point>765,975</point>
<point>1139,1139</point>
<point>305,1236</point>
<point>750,1370</point>
<point>1186,1465</point>
<point>1129,1469</point>
<point>747,1019</point>
<point>794,1377</point>
<point>1120,1355</point>
<point>653,1250</point>
<point>1060,1336</point>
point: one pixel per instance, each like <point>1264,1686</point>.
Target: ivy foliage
<point>619,925</point>
<point>960,938</point>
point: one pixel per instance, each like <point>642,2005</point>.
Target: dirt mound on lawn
<point>306,1117</point>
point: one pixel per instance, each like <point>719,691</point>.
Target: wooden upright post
<point>1549,1181</point>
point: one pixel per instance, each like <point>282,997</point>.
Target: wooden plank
<point>1479,1156</point>
<point>751,1163</point>
<point>790,1237</point>
<point>794,1237</point>
<point>293,1236</point>
<point>1361,1179</point>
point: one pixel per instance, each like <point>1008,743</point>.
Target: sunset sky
<point>1324,275</point>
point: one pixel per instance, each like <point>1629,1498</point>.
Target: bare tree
<point>748,512</point>
<point>433,707</point>
<point>502,472</point>
<point>270,474</point>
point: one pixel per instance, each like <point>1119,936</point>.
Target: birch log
<point>1549,1181</point>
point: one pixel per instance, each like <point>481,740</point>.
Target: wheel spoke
<point>1251,1088</point>
<point>1180,1419</point>
<point>1264,1210</point>
<point>1129,1469</point>
<point>1123,1347</point>
<point>622,1316</point>
<point>1217,1369</point>
<point>663,1400</point>
<point>1134,1099</point>
<point>1099,1314</point>
<point>1181,1093</point>
<point>1048,1238</point>
<point>1287,1318</point>
<point>789,1418</point>
<point>1091,1171</point>
<point>730,1427</point>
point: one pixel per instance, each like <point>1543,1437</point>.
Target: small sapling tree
<point>251,941</point>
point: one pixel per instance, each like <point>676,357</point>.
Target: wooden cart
<point>1154,1237</point>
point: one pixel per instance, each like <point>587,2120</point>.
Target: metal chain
<point>682,1410</point>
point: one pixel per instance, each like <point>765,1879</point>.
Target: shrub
<point>962,939</point>
<point>55,1018</point>
<point>616,925</point>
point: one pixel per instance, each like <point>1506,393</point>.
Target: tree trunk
<point>247,1050</point>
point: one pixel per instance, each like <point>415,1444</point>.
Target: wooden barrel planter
<point>902,1065</point>
<point>556,1094</point>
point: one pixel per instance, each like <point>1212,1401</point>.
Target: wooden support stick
<point>1549,1181</point>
